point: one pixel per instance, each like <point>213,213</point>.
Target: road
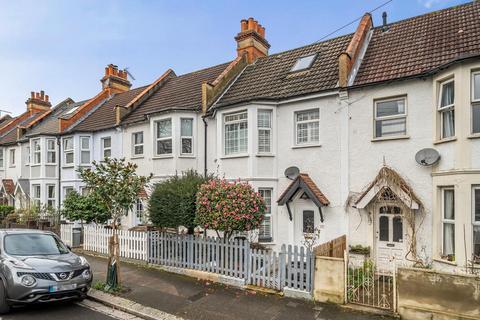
<point>68,310</point>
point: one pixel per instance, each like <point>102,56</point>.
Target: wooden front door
<point>389,237</point>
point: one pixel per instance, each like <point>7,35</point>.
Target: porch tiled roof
<point>308,182</point>
<point>9,186</point>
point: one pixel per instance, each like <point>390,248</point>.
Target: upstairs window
<point>186,136</point>
<point>1,158</point>
<point>446,108</point>
<point>164,137</point>
<point>12,157</point>
<point>106,147</point>
<point>37,151</point>
<point>27,156</point>
<point>307,125</point>
<point>137,143</point>
<point>264,124</point>
<point>51,151</point>
<point>390,118</point>
<point>476,102</point>
<point>303,63</point>
<point>84,150</point>
<point>68,151</point>
<point>236,133</point>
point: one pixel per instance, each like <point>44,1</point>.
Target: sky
<point>62,47</point>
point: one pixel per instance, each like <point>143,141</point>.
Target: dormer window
<point>303,63</point>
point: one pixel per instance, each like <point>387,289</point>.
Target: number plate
<point>62,287</point>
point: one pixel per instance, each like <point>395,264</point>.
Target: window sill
<point>302,146</point>
<point>11,166</point>
<point>390,138</point>
<point>265,155</point>
<point>50,164</point>
<point>35,165</point>
<point>440,260</point>
<point>266,241</point>
<point>474,136</point>
<point>187,156</point>
<point>68,166</point>
<point>234,156</point>
<point>140,156</point>
<point>449,139</point>
<point>167,156</point>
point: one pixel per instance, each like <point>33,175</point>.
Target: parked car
<point>37,267</point>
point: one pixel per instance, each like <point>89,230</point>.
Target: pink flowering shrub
<point>229,206</point>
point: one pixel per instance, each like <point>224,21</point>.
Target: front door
<point>389,237</point>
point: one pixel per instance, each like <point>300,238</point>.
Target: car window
<point>29,244</point>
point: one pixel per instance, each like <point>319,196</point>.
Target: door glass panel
<point>383,226</point>
<point>397,229</point>
<point>308,221</point>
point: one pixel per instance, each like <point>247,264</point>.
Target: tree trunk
<point>113,268</point>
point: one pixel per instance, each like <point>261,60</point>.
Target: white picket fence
<point>133,244</point>
<point>66,233</point>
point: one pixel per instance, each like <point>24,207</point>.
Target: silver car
<point>36,267</point>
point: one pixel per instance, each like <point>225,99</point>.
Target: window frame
<point>224,131</point>
<point>51,199</point>
<point>475,103</point>
<point>475,223</point>
<point>11,156</point>
<point>103,148</point>
<point>313,57</point>
<point>37,201</point>
<point>2,158</point>
<point>447,221</point>
<point>377,118</point>
<point>296,123</point>
<point>68,151</point>
<point>474,73</point>
<point>135,145</point>
<point>28,155</point>
<point>442,110</point>
<point>49,151</point>
<point>191,138</point>
<point>83,150</point>
<point>269,237</point>
<point>36,152</point>
<point>269,129</point>
<point>170,137</point>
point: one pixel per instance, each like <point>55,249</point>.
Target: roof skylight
<point>71,110</point>
<point>304,63</point>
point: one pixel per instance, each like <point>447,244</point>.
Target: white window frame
<point>28,156</point>
<point>268,214</point>
<point>135,145</point>
<point>309,141</point>
<point>475,102</point>
<point>102,143</point>
<point>37,152</point>
<point>11,157</point>
<point>296,67</point>
<point>2,158</point>
<point>474,222</point>
<point>392,117</point>
<point>238,121</point>
<point>447,221</point>
<point>264,128</point>
<point>475,73</point>
<point>442,110</point>
<point>50,151</point>
<point>170,137</point>
<point>51,200</point>
<point>85,150</point>
<point>37,199</point>
<point>182,137</point>
<point>68,151</point>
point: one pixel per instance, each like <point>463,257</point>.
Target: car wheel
<point>4,307</point>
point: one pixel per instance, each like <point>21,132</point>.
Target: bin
<point>76,237</point>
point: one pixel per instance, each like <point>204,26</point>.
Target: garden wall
<point>428,294</point>
<point>329,280</point>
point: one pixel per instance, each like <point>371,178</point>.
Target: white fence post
<point>66,234</point>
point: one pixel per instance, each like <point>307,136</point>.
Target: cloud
<point>430,3</point>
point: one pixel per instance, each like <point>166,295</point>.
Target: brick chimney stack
<point>38,102</point>
<point>251,40</point>
<point>114,80</point>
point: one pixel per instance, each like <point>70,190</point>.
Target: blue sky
<point>62,47</point>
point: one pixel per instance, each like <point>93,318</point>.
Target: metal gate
<point>371,287</point>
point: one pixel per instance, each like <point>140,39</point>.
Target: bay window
<point>68,151</point>
<point>307,125</point>
<point>37,151</point>
<point>186,136</point>
<point>236,133</point>
<point>264,124</point>
<point>84,150</point>
<point>164,142</point>
<point>51,151</point>
<point>446,108</point>
<point>476,223</point>
<point>51,196</point>
<point>390,117</point>
<point>137,143</point>
<point>106,147</point>
<point>36,195</point>
<point>476,102</point>
<point>265,232</point>
<point>448,223</point>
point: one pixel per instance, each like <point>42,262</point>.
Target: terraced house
<point>329,134</point>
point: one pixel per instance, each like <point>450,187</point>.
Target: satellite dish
<point>292,172</point>
<point>427,157</point>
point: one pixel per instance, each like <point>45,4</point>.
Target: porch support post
<point>289,210</point>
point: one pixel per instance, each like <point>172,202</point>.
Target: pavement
<point>195,299</point>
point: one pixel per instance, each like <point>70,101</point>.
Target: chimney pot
<point>243,25</point>
<point>250,23</point>
<point>46,97</point>
<point>384,17</point>
<point>32,95</point>
<point>42,94</point>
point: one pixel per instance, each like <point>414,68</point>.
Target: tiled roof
<point>9,186</point>
<point>421,44</point>
<point>103,116</point>
<point>304,179</point>
<point>178,93</point>
<point>49,125</point>
<point>10,136</point>
<point>270,78</point>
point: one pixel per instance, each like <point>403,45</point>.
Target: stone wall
<point>329,280</point>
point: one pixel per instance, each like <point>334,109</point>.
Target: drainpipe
<point>205,125</point>
<point>59,176</point>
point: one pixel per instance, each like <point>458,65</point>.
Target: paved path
<point>67,311</point>
<point>194,299</point>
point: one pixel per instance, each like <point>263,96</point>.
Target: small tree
<point>116,185</point>
<point>173,201</point>
<point>85,209</point>
<point>229,207</point>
